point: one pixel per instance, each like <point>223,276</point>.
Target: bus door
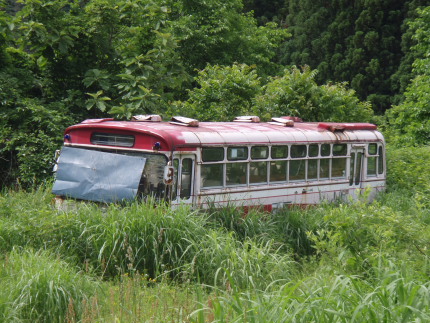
<point>356,167</point>
<point>183,187</point>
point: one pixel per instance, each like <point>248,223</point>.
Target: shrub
<point>297,94</point>
<point>223,93</point>
<point>354,236</point>
<point>408,172</point>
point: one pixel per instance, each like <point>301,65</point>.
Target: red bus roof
<point>174,136</point>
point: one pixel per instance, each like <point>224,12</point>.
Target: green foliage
<point>226,92</point>
<point>147,72</point>
<point>223,93</point>
<point>265,10</point>
<point>360,43</point>
<point>217,32</point>
<point>409,122</point>
<point>252,225</point>
<point>354,237</point>
<point>64,58</point>
<point>408,173</point>
<point>223,261</point>
<point>297,94</point>
<point>141,239</point>
<point>394,296</point>
<point>40,287</point>
<point>149,81</point>
<point>30,130</point>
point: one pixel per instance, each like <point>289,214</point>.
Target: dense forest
<point>63,61</point>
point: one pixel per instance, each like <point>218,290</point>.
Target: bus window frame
<point>285,163</point>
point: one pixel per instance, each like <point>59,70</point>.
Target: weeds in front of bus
<point>252,224</point>
<point>332,263</point>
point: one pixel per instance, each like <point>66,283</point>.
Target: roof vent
<point>147,118</point>
<point>183,121</point>
<point>253,119</point>
<point>282,122</point>
<point>333,126</point>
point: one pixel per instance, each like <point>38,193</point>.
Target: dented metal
<point>97,176</point>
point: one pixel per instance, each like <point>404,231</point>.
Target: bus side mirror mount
<point>169,172</point>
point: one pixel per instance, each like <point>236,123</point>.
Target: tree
<point>409,122</point>
<point>226,92</point>
<point>359,42</point>
<point>297,94</point>
<point>222,93</point>
<point>217,32</point>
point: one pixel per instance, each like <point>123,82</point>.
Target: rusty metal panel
<point>97,176</point>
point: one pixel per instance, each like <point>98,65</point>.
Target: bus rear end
<point>108,161</point>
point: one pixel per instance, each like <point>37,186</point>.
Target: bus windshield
<point>105,176</point>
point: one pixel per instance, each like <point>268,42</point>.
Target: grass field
<point>348,262</point>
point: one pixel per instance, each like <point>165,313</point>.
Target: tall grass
<point>222,261</point>
<point>39,287</point>
<point>138,299</point>
<point>157,241</point>
<point>392,297</point>
<point>252,224</point>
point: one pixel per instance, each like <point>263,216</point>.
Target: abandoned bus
<point>245,162</point>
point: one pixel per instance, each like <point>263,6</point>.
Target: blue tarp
<point>97,176</point>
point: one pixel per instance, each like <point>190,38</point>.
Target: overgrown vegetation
<point>63,61</point>
<point>332,263</point>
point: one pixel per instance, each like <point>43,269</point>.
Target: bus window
<point>325,150</point>
<point>258,172</point>
<point>112,139</point>
<point>352,168</point>
<point>372,160</point>
<point>278,170</point>
<point>358,165</point>
<point>313,150</point>
<point>338,167</point>
<point>324,168</point>
<point>372,149</point>
<point>340,150</point>
<point>279,152</point>
<point>312,169</point>
<point>297,170</point>
<point>371,166</point>
<point>213,154</point>
<point>236,173</point>
<point>237,153</point>
<point>212,175</point>
<point>380,161</point>
<point>186,178</point>
<point>298,151</point>
<point>259,152</point>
